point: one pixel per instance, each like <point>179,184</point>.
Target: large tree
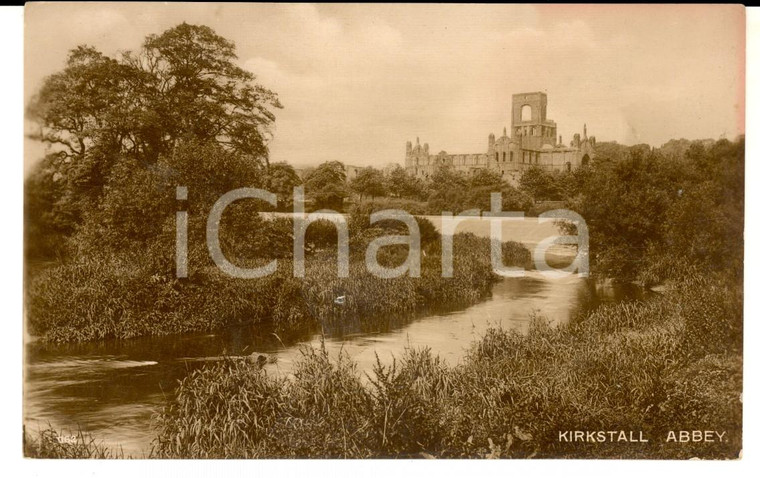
<point>448,190</point>
<point>326,185</point>
<point>368,182</point>
<point>281,179</point>
<point>198,89</point>
<point>183,83</point>
<point>624,204</point>
<point>108,119</point>
<point>399,183</point>
<point>485,178</point>
<point>183,87</point>
<point>87,103</point>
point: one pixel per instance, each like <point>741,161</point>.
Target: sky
<point>358,81</point>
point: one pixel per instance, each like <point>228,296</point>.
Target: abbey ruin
<point>533,144</point>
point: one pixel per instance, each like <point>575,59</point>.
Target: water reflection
<point>112,388</point>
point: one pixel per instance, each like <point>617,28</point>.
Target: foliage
<point>48,443</point>
<point>428,231</point>
<point>411,206</point>
<point>485,178</point>
<point>321,233</point>
<point>368,182</point>
<point>134,292</point>
<point>223,409</point>
<point>48,219</point>
<point>281,178</point>
<point>453,191</point>
<point>252,239</point>
<point>126,131</point>
<point>447,188</point>
<point>514,254</point>
<point>541,185</point>
<point>666,210</point>
<point>512,199</point>
<point>183,82</point>
<point>511,397</point>
<point>87,103</point>
<point>138,204</point>
<point>326,185</point>
<point>399,183</point>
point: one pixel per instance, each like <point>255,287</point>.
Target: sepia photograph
<point>372,231</point>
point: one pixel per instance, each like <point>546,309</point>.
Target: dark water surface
<point>112,388</point>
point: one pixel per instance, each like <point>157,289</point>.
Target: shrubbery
<point>131,294</point>
<point>652,213</point>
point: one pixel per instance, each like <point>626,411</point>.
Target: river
<point>112,388</point>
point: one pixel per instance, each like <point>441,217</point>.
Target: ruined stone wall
<point>352,171</point>
<point>533,144</point>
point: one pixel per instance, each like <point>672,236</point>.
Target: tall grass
<point>48,443</point>
<point>671,363</point>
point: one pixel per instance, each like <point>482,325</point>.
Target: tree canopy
<point>281,179</point>
<point>124,132</point>
<point>326,185</point>
<point>649,210</point>
<point>541,185</point>
<point>182,83</point>
<point>401,184</point>
<point>369,182</point>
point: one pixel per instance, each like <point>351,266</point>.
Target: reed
<point>48,443</point>
<point>648,366</point>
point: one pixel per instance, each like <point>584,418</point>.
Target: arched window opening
<point>526,113</point>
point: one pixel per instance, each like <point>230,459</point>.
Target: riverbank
<point>647,368</point>
<point>66,383</point>
<point>671,363</point>
<point>97,298</point>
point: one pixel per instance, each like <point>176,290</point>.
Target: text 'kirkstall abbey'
<point>533,144</point>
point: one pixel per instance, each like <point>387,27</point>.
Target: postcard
<point>383,231</point>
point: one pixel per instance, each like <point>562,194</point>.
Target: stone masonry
<point>533,143</point>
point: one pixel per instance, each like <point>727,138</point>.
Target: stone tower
<point>529,123</point>
<point>533,144</point>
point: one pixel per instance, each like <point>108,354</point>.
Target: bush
<point>428,231</point>
<point>246,236</point>
<point>136,293</point>
<point>321,233</point>
<point>514,254</point>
